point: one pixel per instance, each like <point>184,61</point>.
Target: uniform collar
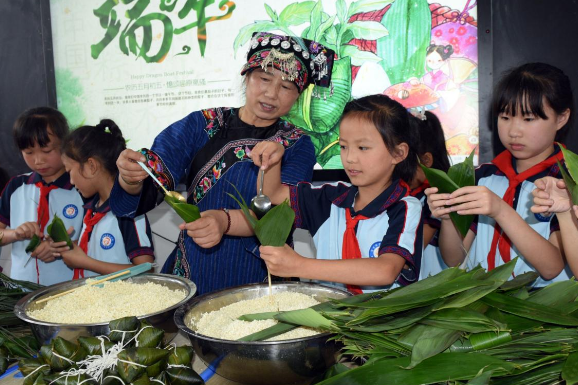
<point>91,205</point>
<point>63,181</point>
<point>395,192</point>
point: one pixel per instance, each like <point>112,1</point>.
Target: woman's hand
<point>551,196</point>
<point>266,154</point>
<point>281,261</point>
<point>475,200</point>
<point>437,203</point>
<point>130,173</point>
<point>208,230</point>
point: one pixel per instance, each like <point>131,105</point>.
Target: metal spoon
<point>260,203</point>
<point>173,194</point>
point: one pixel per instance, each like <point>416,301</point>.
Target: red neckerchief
<point>350,248</point>
<point>420,188</point>
<point>89,222</point>
<point>504,163</point>
<point>43,213</point>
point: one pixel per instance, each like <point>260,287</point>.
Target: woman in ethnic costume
<point>209,150</point>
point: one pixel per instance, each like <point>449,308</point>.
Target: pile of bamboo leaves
<point>16,342</point>
<point>458,327</point>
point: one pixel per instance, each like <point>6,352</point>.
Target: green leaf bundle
<point>571,176</point>
<point>57,231</point>
<point>187,212</point>
<point>275,226</point>
<point>34,242</point>
<point>459,175</point>
<point>454,327</point>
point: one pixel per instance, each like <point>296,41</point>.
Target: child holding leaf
<point>432,153</point>
<point>533,104</point>
<point>107,243</point>
<point>30,201</point>
<point>368,235</point>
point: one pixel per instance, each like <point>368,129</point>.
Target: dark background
<point>26,70</point>
<point>510,33</point>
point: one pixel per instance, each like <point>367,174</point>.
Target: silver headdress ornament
<point>286,61</point>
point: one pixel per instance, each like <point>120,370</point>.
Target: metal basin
<point>46,331</point>
<point>295,361</point>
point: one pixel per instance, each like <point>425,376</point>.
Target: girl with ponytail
<point>107,243</point>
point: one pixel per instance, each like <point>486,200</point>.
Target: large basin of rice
<point>88,310</point>
<point>113,300</point>
<point>224,323</point>
<point>296,360</point>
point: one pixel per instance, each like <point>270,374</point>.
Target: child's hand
<point>551,196</point>
<point>43,252</point>
<point>27,231</point>
<point>475,200</point>
<point>437,203</point>
<point>266,154</point>
<point>208,230</point>
<point>281,261</point>
<point>75,258</point>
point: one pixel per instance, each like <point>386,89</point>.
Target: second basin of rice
<point>224,323</point>
<point>92,304</point>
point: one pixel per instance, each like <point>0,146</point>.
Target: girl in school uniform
<point>30,201</point>
<point>533,104</point>
<point>368,235</point>
<point>107,243</point>
<point>432,153</point>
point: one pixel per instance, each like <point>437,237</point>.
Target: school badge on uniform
<point>70,211</point>
<point>374,250</point>
<point>542,218</point>
<point>107,241</point>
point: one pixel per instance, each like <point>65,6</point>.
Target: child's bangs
<point>525,97</point>
<point>32,130</point>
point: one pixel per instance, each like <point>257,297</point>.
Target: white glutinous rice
<point>224,323</point>
<point>91,304</point>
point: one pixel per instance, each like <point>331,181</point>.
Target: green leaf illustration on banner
<point>403,50</point>
<point>318,110</point>
<point>570,176</point>
<point>459,175</point>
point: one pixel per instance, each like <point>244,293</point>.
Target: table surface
<point>180,339</point>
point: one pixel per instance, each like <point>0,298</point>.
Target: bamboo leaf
<point>187,212</point>
<point>463,174</point>
<point>462,320</point>
<point>556,294</point>
<point>571,160</point>
<point>306,317</point>
<point>258,316</point>
<point>570,369</point>
<point>497,277</point>
<point>440,368</point>
<point>529,310</point>
<point>487,340</point>
<point>520,281</point>
<point>270,332</point>
<point>432,340</point>
<point>570,183</point>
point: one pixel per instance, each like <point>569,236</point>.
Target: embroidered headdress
<point>302,61</point>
